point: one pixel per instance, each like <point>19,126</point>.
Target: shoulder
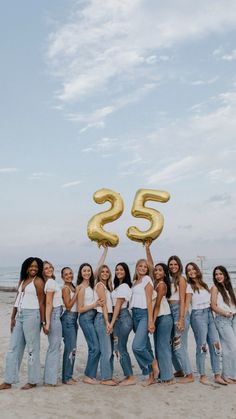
<point>161,286</point>
<point>39,282</point>
<point>147,280</point>
<point>50,285</point>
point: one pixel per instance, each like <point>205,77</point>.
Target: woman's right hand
<point>46,329</point>
<point>13,323</point>
<point>228,314</point>
<point>180,326</point>
<point>99,303</point>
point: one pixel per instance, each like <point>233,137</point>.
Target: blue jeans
<point>52,362</point>
<point>162,343</point>
<point>86,321</point>
<point>204,330</point>
<point>25,333</point>
<point>122,329</point>
<point>69,333</point>
<point>180,358</point>
<point>227,331</point>
<point>141,344</point>
<point>105,346</point>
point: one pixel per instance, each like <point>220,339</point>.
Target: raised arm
<point>101,260</point>
<point>149,257</point>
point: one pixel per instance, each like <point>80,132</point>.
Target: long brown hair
<point>226,286</point>
<point>179,273</point>
<point>109,281</point>
<point>199,283</point>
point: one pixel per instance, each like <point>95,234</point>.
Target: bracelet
<point>43,323</point>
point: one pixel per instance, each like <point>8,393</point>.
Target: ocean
<point>9,276</point>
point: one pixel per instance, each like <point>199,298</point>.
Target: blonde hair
<point>109,281</point>
<point>136,267</point>
<point>51,265</point>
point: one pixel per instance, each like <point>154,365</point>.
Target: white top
<point>88,296</point>
<point>164,306</point>
<point>201,299</point>
<point>74,308</point>
<point>28,298</point>
<point>223,305</point>
<point>52,286</point>
<point>122,291</point>
<point>108,298</point>
<point>175,294</point>
<point>138,298</point>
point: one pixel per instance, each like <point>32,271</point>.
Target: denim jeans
<point>52,362</point>
<point>25,333</point>
<point>122,329</point>
<point>227,331</point>
<point>105,346</point>
<point>204,330</point>
<point>162,343</point>
<point>69,333</point>
<point>141,344</point>
<point>180,358</point>
<point>86,321</point>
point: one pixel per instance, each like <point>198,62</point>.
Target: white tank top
<point>164,306</point>
<point>28,298</point>
<point>223,305</point>
<point>88,296</point>
<point>74,308</point>
<point>201,299</point>
<point>108,299</point>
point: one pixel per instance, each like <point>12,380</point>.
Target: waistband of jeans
<point>201,309</point>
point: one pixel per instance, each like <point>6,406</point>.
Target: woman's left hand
<point>46,329</point>
<point>151,327</point>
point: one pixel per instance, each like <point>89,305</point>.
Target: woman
<point>28,312</point>
<point>69,325</point>
<point>223,303</point>
<point>103,318</point>
<point>203,325</point>
<point>181,319</point>
<point>122,320</point>
<point>141,305</point>
<point>87,313</point>
<point>53,327</point>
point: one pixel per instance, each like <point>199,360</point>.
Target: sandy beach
<point>102,402</point>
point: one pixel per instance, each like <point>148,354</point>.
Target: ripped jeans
<point>25,333</point>
<point>180,356</point>
<point>52,361</point>
<point>227,331</point>
<point>205,332</point>
<point>69,333</point>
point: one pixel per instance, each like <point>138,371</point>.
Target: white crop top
<point>138,298</point>
<point>164,306</point>
<point>175,294</point>
<point>201,299</point>
<point>108,298</point>
<point>28,298</point>
<point>122,291</point>
<point>223,305</point>
<point>88,296</point>
<point>52,286</point>
<point>74,308</point>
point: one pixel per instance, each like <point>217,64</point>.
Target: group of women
<point>159,301</point>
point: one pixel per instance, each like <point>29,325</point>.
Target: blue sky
<point>124,94</point>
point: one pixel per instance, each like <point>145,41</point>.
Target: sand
<point>101,402</point>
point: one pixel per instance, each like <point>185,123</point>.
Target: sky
<point>118,94</point>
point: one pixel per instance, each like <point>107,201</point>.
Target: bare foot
<point>187,379</point>
<point>178,374</point>
<point>170,382</point>
<point>70,382</point>
<point>130,381</point>
<point>155,369</point>
<point>151,380</point>
<point>28,386</point>
<point>108,383</point>
<point>220,380</point>
<point>5,386</point>
<point>89,380</point>
<point>74,379</point>
<point>52,385</point>
<point>229,380</point>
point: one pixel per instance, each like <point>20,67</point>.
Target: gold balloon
<point>139,210</point>
<point>95,225</point>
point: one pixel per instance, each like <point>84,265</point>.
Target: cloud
<point>223,199</point>
<point>101,146</point>
<point>39,176</point>
<point>230,57</point>
<point>204,82</point>
<point>8,170</point>
<point>71,184</point>
<point>175,171</point>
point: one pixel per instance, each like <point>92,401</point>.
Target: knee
<point>216,347</point>
<point>203,348</point>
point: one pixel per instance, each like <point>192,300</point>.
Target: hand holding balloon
<point>95,225</point>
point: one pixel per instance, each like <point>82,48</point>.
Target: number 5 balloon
<point>95,225</point>
<point>139,210</point>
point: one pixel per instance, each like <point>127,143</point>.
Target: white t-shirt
<point>122,291</point>
<point>52,286</point>
<point>138,298</point>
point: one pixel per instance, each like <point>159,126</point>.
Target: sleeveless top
<point>201,299</point>
<point>28,298</point>
<point>164,306</point>
<point>108,298</point>
<point>221,304</point>
<point>74,308</point>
